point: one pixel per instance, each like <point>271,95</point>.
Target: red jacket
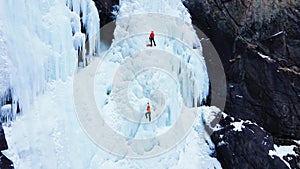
<point>148,109</point>
<point>151,35</point>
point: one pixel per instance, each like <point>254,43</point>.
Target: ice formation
<point>45,41</point>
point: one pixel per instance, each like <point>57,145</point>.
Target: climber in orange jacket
<point>148,113</point>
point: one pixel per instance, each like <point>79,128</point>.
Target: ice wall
<point>85,28</point>
<point>129,55</point>
<point>41,41</point>
<point>172,24</point>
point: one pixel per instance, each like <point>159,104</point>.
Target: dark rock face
<point>5,163</point>
<point>247,149</point>
<point>263,89</point>
<point>3,143</point>
<point>105,8</point>
<point>293,160</point>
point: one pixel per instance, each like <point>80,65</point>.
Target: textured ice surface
<point>42,39</point>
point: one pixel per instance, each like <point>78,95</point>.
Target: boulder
<point>243,144</point>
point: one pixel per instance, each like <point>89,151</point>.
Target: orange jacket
<point>151,35</point>
<point>148,109</point>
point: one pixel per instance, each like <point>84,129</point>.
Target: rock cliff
<point>259,45</point>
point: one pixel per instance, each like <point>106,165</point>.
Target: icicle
<point>46,47</point>
<point>6,115</point>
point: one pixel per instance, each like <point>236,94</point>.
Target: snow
<point>51,134</point>
<point>238,126</point>
<point>278,33</point>
<point>59,141</point>
<point>239,96</point>
<point>221,143</point>
<point>209,114</point>
<point>281,151</point>
<point>264,56</point>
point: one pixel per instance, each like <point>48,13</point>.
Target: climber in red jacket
<point>151,38</point>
